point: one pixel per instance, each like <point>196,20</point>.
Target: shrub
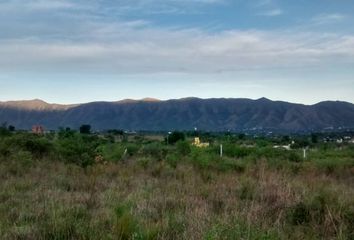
<point>201,159</point>
<point>112,152</point>
<point>132,149</point>
<point>172,160</point>
<point>227,164</point>
<point>269,153</point>
<point>144,162</point>
<point>183,148</point>
<point>20,162</point>
<point>65,133</point>
<point>127,227</point>
<point>38,146</point>
<point>4,131</point>
<point>232,150</point>
<point>299,214</point>
<point>174,137</point>
<point>247,189</point>
<point>294,157</point>
<point>78,149</point>
<point>155,150</point>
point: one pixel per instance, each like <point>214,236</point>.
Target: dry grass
<point>53,200</point>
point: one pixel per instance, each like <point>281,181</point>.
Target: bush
<point>20,162</point>
<point>201,159</point>
<point>269,153</point>
<point>232,150</point>
<point>132,149</point>
<point>112,152</point>
<point>78,149</point>
<point>38,146</point>
<point>172,160</point>
<point>294,157</point>
<point>227,164</point>
<point>127,227</point>
<point>155,150</point>
<point>247,189</point>
<point>183,148</point>
<point>174,137</point>
<point>6,130</point>
<point>144,162</point>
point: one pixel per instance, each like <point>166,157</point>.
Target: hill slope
<point>182,114</point>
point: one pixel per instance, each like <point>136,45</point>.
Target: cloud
<point>268,8</point>
<point>36,5</point>
<point>107,6</point>
<point>326,18</point>
<point>153,50</point>
<point>77,40</point>
<point>262,3</point>
<point>272,13</point>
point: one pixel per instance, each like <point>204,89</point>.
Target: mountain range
<point>150,114</point>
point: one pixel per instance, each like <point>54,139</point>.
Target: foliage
<point>111,152</point>
<point>52,188</point>
<point>85,129</point>
<point>155,150</point>
<point>174,137</point>
<point>183,148</point>
<point>78,149</point>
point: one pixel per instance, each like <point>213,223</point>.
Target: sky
<point>74,51</point>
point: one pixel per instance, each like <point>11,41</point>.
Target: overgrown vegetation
<point>71,185</point>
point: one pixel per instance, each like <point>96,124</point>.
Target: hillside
<point>182,114</point>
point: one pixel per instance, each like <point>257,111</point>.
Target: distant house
<point>198,143</point>
<point>286,147</point>
<point>37,129</point>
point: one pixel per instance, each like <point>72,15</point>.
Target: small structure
<point>198,143</point>
<point>37,129</point>
<point>286,147</point>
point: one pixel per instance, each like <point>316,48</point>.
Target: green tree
<point>241,136</point>
<point>85,129</point>
<point>4,130</point>
<point>175,137</point>
<point>314,138</point>
<point>65,133</point>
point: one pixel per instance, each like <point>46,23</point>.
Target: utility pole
<point>304,152</point>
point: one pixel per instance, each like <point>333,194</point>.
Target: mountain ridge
<point>213,114</point>
<point>27,103</point>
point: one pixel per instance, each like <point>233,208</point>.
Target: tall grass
<point>54,189</point>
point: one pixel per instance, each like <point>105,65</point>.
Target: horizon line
<point>152,99</point>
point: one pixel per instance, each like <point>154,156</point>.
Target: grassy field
<point>72,186</point>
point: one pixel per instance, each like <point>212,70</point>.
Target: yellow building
<point>198,143</point>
